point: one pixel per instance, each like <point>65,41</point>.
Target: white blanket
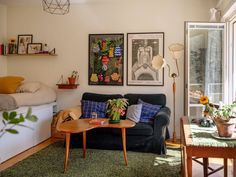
<point>42,96</point>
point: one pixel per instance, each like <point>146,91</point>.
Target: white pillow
<point>30,87</point>
<point>134,112</point>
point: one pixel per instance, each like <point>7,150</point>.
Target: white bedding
<point>42,96</point>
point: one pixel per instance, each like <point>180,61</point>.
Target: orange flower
<point>204,100</point>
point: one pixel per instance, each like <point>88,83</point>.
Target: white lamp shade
<point>158,62</point>
<point>176,50</point>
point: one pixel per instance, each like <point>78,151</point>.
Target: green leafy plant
<point>225,113</point>
<point>74,74</point>
<point>116,107</point>
<point>11,120</point>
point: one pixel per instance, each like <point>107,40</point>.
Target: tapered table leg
<point>84,143</point>
<point>189,165</point>
<point>123,130</point>
<point>67,151</point>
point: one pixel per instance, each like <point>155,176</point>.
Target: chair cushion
<point>140,129</point>
<point>148,111</point>
<point>92,106</point>
<point>134,112</point>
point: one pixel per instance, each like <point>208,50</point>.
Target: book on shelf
<point>97,121</point>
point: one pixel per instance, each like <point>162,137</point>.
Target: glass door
<point>204,65</point>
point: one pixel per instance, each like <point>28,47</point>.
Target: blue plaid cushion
<point>148,111</point>
<point>91,106</point>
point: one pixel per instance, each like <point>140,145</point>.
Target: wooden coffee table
<point>83,125</point>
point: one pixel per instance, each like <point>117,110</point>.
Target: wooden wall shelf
<point>67,86</point>
<point>38,54</point>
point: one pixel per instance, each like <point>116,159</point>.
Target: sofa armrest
<point>161,121</point>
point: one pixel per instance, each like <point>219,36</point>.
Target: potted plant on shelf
<point>72,79</point>
<point>223,116</point>
<point>116,108</point>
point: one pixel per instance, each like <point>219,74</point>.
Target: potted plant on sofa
<point>116,108</point>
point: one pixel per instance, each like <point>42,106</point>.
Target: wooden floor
<point>197,168</point>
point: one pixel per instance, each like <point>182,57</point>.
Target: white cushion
<point>134,112</point>
<point>29,87</point>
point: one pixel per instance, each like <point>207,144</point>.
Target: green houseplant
<point>73,77</point>
<point>223,116</point>
<point>11,120</point>
<point>116,108</point>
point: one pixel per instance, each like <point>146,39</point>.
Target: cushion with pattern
<point>148,111</point>
<point>92,106</point>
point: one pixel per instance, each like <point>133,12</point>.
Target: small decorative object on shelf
<point>71,83</point>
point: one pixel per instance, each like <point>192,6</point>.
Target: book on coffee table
<point>97,121</point>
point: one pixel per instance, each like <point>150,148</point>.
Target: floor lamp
<point>159,62</point>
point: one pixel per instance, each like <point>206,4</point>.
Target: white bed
<point>43,106</point>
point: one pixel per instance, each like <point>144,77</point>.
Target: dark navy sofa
<point>143,137</point>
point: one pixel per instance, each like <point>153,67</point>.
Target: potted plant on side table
<point>116,108</point>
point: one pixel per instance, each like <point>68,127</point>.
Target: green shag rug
<point>98,163</point>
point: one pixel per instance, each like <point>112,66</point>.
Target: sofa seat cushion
<point>140,129</point>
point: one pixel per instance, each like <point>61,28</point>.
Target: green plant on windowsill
<point>11,120</point>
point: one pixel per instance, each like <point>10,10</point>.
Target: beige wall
<point>224,5</point>
<point>69,35</point>
<point>3,34</point>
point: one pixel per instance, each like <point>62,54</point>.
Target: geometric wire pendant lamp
<point>58,7</point>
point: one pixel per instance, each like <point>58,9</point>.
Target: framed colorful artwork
<point>141,48</point>
<point>22,43</point>
<point>106,56</point>
<point>34,48</point>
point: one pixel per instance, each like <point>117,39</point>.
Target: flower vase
<point>115,118</point>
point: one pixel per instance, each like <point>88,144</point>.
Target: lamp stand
<point>174,92</point>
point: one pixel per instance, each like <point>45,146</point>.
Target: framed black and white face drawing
<point>141,48</point>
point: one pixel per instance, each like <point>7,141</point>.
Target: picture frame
<point>22,43</point>
<point>34,48</point>
<point>106,59</point>
<point>141,48</point>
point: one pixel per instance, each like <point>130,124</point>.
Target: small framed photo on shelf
<point>34,48</point>
<point>22,43</point>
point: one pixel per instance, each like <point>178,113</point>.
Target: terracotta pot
<point>225,129</point>
<point>72,80</point>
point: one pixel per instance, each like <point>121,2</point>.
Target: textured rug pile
<point>98,163</point>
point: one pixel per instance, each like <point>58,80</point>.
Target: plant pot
<point>72,80</point>
<point>113,119</point>
<point>225,129</point>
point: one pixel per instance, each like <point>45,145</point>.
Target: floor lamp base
<point>173,142</point>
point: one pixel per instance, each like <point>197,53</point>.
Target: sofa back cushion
<point>156,99</point>
<point>100,97</point>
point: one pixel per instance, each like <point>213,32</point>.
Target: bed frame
<point>11,144</point>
